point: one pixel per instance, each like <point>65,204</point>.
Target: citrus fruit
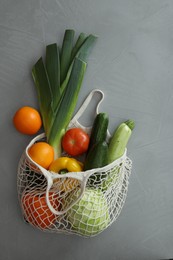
<point>42,153</point>
<point>27,120</point>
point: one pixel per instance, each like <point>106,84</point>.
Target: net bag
<point>83,203</point>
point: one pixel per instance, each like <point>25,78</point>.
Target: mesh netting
<point>82,203</point>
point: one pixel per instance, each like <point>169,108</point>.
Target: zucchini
<point>99,130</point>
<point>97,156</point>
<point>119,140</point>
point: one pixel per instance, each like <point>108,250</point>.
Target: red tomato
<point>36,210</point>
<point>75,141</point>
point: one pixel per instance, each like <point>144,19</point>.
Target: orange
<point>42,153</point>
<point>27,120</point>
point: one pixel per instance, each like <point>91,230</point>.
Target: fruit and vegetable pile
<point>58,80</point>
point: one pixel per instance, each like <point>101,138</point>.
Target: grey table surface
<point>132,63</point>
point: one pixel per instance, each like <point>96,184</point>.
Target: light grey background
<point>132,63</point>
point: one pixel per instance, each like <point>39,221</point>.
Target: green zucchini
<point>99,130</point>
<point>119,140</point>
<point>97,156</point>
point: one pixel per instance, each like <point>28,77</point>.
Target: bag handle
<point>85,104</point>
<point>74,120</point>
<point>59,213</point>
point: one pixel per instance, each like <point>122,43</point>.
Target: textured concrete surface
<point>132,63</point>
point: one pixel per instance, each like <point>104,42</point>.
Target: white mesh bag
<point>83,203</point>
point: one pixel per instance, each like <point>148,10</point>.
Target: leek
<point>58,83</point>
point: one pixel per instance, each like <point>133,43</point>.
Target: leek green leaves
<point>58,82</point>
